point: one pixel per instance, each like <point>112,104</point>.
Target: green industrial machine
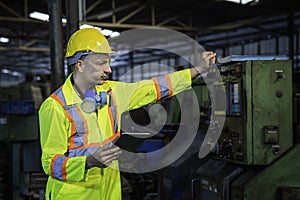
<point>255,156</point>
<point>258,125</point>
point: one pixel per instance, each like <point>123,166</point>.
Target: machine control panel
<point>257,127</point>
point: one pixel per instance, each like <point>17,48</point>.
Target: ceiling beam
<point>132,14</point>
<point>10,9</point>
<point>24,48</point>
<point>153,15</point>
<point>21,19</point>
<point>28,44</point>
<point>113,7</point>
<point>94,5</point>
<point>130,26</point>
<point>167,21</point>
<point>110,13</point>
<point>181,23</point>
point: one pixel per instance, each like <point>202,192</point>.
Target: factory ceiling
<point>28,46</point>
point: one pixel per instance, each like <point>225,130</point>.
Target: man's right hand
<point>103,157</point>
<point>206,60</point>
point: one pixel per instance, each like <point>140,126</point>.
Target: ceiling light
<point>243,1</point>
<point>114,34</point>
<point>4,39</point>
<point>39,16</point>
<point>89,26</point>
<point>86,26</point>
<point>12,73</point>
<point>106,32</point>
<point>43,16</point>
<point>246,1</point>
<point>5,71</point>
<point>234,1</point>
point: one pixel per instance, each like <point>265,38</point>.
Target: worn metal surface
<point>271,109</point>
<point>264,182</point>
<point>258,126</point>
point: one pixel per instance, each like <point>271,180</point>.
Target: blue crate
<point>17,107</point>
<point>151,145</point>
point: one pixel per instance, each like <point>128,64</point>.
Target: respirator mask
<point>93,100</point>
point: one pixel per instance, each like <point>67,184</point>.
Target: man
<point>75,128</point>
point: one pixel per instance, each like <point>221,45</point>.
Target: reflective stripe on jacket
<point>68,134</point>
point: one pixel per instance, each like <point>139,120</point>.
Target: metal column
<point>72,18</point>
<point>56,43</point>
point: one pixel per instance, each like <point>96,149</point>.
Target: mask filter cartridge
<point>93,100</point>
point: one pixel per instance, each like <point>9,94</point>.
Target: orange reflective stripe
<point>64,170</point>
<point>86,131</point>
<point>114,100</point>
<point>93,144</point>
<point>70,118</point>
<point>112,138</point>
<point>169,85</point>
<point>82,147</point>
<point>112,123</point>
<point>157,88</point>
<point>73,128</point>
<point>54,96</point>
<point>52,164</point>
<point>113,117</point>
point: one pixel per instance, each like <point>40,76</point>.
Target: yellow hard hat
<point>84,42</point>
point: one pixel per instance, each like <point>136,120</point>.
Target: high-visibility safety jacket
<point>68,134</point>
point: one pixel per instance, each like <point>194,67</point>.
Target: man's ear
<point>79,65</point>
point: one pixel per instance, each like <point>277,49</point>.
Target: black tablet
<point>131,141</point>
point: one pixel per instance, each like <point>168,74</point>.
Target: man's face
<point>97,68</point>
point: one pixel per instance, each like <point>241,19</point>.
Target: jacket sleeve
<point>134,95</point>
<point>54,134</point>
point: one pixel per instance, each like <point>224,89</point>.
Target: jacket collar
<point>69,92</point>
